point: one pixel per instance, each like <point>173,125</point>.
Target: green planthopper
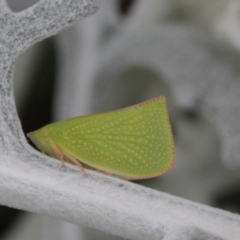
<point>131,143</point>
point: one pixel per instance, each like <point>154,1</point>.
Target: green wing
<point>132,143</point>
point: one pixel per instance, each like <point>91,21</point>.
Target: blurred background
<point>131,51</point>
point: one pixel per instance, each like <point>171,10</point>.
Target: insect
<point>131,143</point>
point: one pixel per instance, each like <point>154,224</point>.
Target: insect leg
<point>76,162</point>
<point>56,151</point>
<point>104,172</point>
<point>60,153</point>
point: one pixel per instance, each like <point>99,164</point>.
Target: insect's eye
<point>44,133</point>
